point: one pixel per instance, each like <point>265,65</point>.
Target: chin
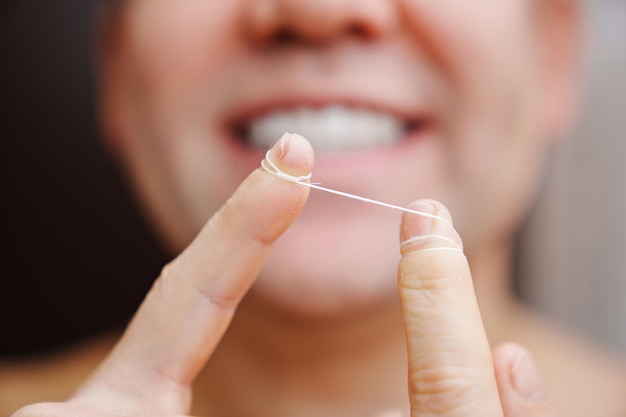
<point>331,264</point>
<point>314,299</point>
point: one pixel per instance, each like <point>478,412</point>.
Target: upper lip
<point>290,99</point>
<point>246,111</point>
<point>244,105</point>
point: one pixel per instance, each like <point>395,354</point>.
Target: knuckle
<point>167,282</point>
<point>434,290</point>
<point>38,410</point>
<point>430,272</point>
<point>219,300</point>
<point>447,390</point>
<point>168,275</point>
<point>432,283</point>
<point>226,303</point>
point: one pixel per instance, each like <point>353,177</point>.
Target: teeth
<point>333,128</point>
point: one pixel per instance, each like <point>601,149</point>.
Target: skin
<point>326,329</point>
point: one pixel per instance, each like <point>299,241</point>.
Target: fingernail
<point>415,225</point>
<point>280,148</point>
<point>526,379</point>
<point>283,145</point>
<point>293,155</point>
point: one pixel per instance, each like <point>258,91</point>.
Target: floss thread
<point>269,166</point>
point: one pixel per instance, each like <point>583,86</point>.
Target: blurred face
<point>400,99</point>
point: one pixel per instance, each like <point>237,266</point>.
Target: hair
<point>113,8</point>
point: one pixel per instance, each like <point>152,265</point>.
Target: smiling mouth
<point>333,128</point>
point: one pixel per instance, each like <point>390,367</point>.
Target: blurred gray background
<point>573,252</point>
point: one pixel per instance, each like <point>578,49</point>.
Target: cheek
<point>498,157</point>
<point>483,47</point>
<point>176,45</point>
<point>486,50</point>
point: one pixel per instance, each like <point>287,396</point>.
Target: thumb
<point>519,383</point>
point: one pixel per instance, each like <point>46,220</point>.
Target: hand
<point>188,309</point>
<point>452,371</point>
<point>184,316</point>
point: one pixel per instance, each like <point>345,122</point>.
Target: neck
<point>492,274</point>
<point>352,366</point>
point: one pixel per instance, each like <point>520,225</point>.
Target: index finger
<point>191,304</point>
<point>450,363</point>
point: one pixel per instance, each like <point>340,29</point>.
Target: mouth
<point>330,129</point>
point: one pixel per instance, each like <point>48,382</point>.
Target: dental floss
<point>268,165</point>
<point>421,238</point>
<point>416,239</point>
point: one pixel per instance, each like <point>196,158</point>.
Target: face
<point>405,99</point>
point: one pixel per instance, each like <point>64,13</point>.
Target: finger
<point>450,365</point>
<point>191,304</point>
<point>519,382</point>
<point>394,413</point>
<point>56,410</point>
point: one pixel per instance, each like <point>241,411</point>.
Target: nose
<point>318,21</point>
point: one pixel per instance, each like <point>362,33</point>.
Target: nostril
<point>318,22</point>
<point>285,36</point>
<point>359,31</point>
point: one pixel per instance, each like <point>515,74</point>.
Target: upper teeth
<point>328,129</point>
